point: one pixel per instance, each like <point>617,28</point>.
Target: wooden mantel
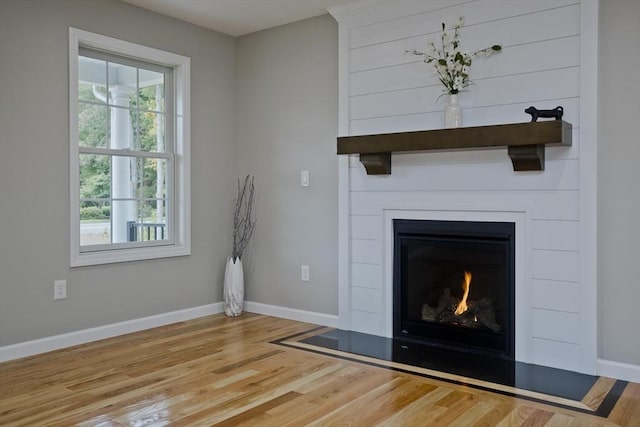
<point>525,142</point>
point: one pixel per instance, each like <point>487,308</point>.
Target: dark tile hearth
<point>556,383</point>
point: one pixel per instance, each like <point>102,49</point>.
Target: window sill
<point>126,255</point>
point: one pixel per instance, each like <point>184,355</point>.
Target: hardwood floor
<point>227,371</point>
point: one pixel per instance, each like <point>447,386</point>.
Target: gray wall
<point>619,181</point>
<point>34,172</point>
<point>286,121</point>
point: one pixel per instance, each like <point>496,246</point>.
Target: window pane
<point>95,177</point>
<point>151,92</point>
<point>95,223</point>
<point>92,125</point>
<point>150,131</point>
<point>123,85</point>
<point>92,79</point>
<point>154,220</point>
<point>124,219</point>
<point>125,179</point>
<point>121,128</point>
<point>153,179</point>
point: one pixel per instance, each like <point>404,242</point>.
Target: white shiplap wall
<point>383,89</point>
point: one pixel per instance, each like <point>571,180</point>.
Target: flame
<point>462,305</point>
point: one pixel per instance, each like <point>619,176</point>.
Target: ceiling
<point>239,17</point>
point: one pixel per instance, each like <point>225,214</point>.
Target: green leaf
<point>442,62</point>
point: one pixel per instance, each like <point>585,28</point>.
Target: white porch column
<point>160,171</point>
<point>122,170</point>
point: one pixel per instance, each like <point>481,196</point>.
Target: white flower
<point>454,70</point>
<point>458,82</point>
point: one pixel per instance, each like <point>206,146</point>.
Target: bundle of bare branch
<point>243,220</point>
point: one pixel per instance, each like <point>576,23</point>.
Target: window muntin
<point>134,174</point>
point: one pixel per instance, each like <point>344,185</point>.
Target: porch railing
<point>145,231</point>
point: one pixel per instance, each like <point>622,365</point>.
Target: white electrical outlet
<point>304,273</point>
<point>304,178</point>
<point>59,289</point>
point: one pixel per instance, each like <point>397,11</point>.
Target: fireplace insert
<point>454,284</point>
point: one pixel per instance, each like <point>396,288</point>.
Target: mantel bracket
<point>527,157</point>
<point>376,163</point>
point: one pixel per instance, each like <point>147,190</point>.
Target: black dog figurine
<point>554,113</point>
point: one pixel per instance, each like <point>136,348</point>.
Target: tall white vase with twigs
<point>243,225</point>
<point>233,287</point>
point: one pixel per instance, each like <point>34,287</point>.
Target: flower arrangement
<point>451,64</point>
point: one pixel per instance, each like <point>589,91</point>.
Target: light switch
<point>304,273</point>
<point>304,178</point>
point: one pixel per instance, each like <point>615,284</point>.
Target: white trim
<point>110,44</point>
<point>329,320</point>
<point>182,131</point>
<point>588,185</point>
<point>43,345</point>
<point>125,255</point>
<point>56,342</point>
<point>74,155</point>
<point>622,371</point>
<point>344,223</point>
<point>346,12</point>
<point>366,12</point>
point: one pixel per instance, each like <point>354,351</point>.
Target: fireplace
<point>454,284</point>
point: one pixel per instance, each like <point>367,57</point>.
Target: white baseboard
<point>292,314</point>
<point>621,371</point>
<point>42,345</point>
<point>606,368</point>
<point>56,342</point>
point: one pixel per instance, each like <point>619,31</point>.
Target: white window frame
<point>181,243</point>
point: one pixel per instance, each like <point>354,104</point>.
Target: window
<point>129,156</point>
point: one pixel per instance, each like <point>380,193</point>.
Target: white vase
<point>233,290</point>
<point>453,113</point>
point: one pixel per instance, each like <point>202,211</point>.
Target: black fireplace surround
<point>435,263</point>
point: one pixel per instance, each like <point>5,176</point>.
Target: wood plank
<point>366,276</point>
<point>453,377</point>
<point>512,89</point>
<point>539,56</point>
<point>558,175</point>
<point>476,116</point>
<point>598,392</point>
<point>562,266</point>
<point>555,325</point>
<point>516,134</point>
<point>541,204</point>
<point>627,410</point>
<point>558,23</point>
<point>555,295</point>
<point>239,377</point>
